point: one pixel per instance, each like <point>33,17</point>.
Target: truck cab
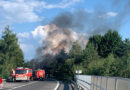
<point>22,74</point>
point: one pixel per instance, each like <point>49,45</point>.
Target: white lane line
<point>57,85</point>
<point>21,86</point>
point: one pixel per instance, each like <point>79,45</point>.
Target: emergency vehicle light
<point>19,67</point>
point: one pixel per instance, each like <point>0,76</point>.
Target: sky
<point>25,17</point>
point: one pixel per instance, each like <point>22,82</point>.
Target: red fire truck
<point>21,73</point>
<point>40,74</point>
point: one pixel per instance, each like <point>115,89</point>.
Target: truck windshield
<point>20,71</point>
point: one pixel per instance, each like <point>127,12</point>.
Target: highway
<point>37,85</point>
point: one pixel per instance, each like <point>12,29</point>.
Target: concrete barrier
<point>99,80</point>
<point>102,83</point>
<point>92,80</point>
<point>111,82</point>
<point>84,82</point>
<point>95,83</point>
<point>122,84</point>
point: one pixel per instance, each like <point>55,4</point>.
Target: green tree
<point>125,71</point>
<point>1,62</point>
<point>96,67</point>
<point>76,52</point>
<point>96,40</point>
<point>12,55</point>
<point>123,49</point>
<point>27,64</point>
<point>112,66</point>
<point>90,54</point>
<point>109,43</point>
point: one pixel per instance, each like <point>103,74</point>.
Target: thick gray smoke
<point>75,20</point>
<point>115,19</point>
<point>61,31</point>
<point>56,40</point>
<point>98,21</point>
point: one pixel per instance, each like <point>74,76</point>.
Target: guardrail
<point>74,85</point>
<point>87,82</point>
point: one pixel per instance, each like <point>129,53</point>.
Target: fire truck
<point>21,73</point>
<point>39,74</point>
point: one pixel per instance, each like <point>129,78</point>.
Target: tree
<point>96,40</point>
<point>125,71</point>
<point>109,43</point>
<point>1,63</point>
<point>27,64</point>
<point>76,52</point>
<point>12,55</point>
<point>96,67</point>
<point>90,54</point>
<point>112,66</point>
<point>123,49</point>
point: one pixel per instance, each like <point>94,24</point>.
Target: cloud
<point>63,4</point>
<point>19,11</point>
<point>30,41</point>
<point>39,32</point>
<point>24,35</point>
<point>108,15</point>
<point>36,35</point>
<point>111,14</point>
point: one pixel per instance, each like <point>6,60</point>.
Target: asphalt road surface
<point>37,85</point>
<point>65,86</point>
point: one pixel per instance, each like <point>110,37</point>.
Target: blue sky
<point>24,16</point>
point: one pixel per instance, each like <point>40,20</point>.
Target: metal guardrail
<point>87,82</point>
<point>74,85</point>
<point>83,82</point>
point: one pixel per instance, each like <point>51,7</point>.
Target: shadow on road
<point>65,86</point>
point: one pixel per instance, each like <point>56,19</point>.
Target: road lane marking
<point>57,85</point>
<point>21,86</point>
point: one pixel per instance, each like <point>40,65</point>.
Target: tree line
<point>11,55</point>
<point>104,55</point>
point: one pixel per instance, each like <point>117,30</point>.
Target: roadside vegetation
<point>105,55</point>
<point>11,56</point>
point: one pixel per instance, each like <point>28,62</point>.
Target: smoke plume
<point>57,39</point>
<point>69,27</point>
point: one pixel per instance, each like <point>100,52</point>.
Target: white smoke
<point>57,39</point>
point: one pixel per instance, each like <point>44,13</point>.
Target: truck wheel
<point>27,81</point>
<point>31,78</point>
